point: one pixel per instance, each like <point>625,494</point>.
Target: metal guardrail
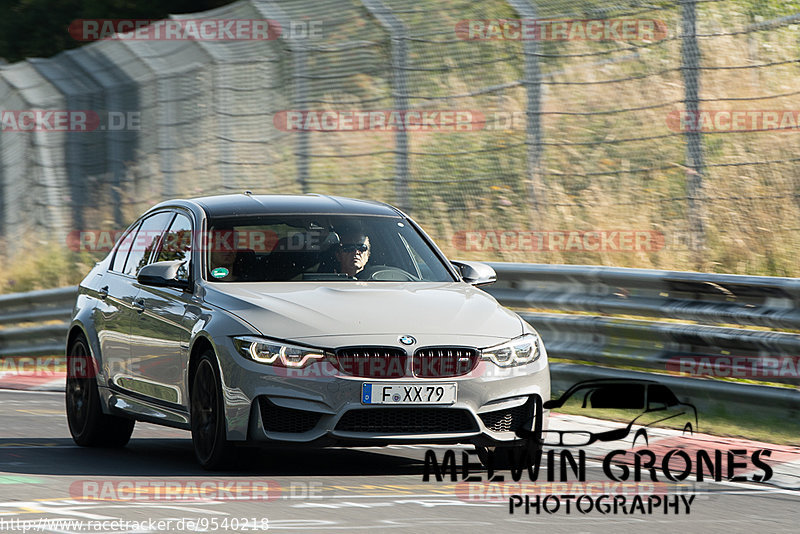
<point>52,307</point>
<point>708,299</point>
<point>702,297</point>
<point>662,346</point>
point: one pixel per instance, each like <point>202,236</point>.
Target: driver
<point>352,254</point>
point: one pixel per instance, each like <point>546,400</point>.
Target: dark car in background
<point>646,404</point>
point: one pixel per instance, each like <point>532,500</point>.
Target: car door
<point>160,333</point>
<point>112,314</point>
<point>120,306</point>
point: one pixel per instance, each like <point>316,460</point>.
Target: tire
<point>211,447</point>
<point>89,426</point>
<point>509,457</point>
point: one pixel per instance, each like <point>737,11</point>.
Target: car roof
<point>248,204</point>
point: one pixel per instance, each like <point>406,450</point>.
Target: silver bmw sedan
<point>298,319</point>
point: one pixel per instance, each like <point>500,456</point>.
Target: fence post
<point>300,64</point>
<point>3,223</point>
<point>532,78</point>
<point>397,34</point>
<point>690,69</point>
<point>298,55</point>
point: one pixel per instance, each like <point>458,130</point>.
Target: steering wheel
<point>386,273</point>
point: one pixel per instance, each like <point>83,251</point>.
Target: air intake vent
<point>407,421</point>
<point>289,420</point>
<point>510,419</point>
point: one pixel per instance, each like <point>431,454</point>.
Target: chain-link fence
<point>652,134</point>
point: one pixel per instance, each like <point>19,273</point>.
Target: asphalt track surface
<point>44,476</point>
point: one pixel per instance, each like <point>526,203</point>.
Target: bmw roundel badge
<point>407,340</point>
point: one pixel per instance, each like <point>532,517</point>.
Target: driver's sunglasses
<point>352,248</point>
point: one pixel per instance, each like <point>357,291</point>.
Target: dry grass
<point>42,266</point>
<point>750,212</point>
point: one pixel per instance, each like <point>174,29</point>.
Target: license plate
<point>383,393</point>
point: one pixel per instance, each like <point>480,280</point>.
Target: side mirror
<point>475,272</point>
<point>164,274</point>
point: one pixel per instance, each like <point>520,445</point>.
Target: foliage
<point>46,266</point>
<point>38,28</point>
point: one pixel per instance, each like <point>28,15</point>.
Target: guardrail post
<point>690,69</point>
<point>2,198</point>
<point>397,34</point>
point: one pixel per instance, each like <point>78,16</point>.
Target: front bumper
<point>494,406</point>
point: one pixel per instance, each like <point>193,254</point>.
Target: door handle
<point>103,293</point>
<point>139,305</point>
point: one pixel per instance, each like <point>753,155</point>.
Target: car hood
<point>374,312</point>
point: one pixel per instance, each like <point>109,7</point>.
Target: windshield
<point>281,248</point>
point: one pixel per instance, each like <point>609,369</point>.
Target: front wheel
<point>89,426</point>
<point>211,446</point>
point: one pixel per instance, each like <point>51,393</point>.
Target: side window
<point>177,244</point>
<point>123,250</point>
<point>145,241</point>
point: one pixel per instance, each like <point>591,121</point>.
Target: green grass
<point>665,372</point>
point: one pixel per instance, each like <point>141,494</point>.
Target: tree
<point>38,28</point>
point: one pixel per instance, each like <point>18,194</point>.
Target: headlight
<point>518,351</point>
<point>274,353</point>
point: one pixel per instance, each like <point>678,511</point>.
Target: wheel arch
<point>77,329</point>
<point>199,346</point>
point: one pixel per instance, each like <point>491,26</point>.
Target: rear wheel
<point>89,426</point>
<point>211,446</point>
